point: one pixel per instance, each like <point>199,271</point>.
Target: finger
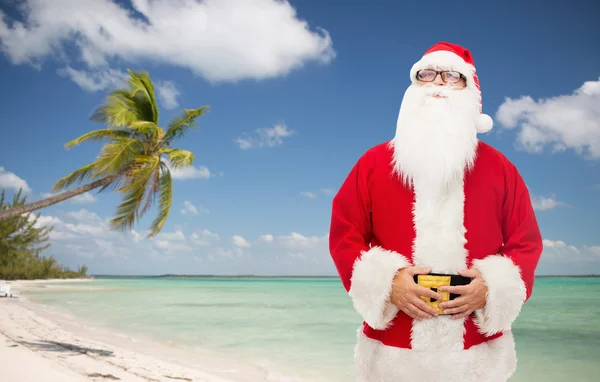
<point>459,289</point>
<point>452,303</point>
<point>418,312</point>
<point>423,306</point>
<point>463,314</point>
<point>458,309</point>
<point>409,313</point>
<point>418,271</point>
<point>426,292</point>
<point>472,273</point>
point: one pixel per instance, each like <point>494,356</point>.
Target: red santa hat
<point>448,56</point>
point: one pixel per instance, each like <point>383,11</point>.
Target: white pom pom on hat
<point>484,123</point>
<point>454,57</point>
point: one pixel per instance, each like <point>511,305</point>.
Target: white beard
<point>436,138</point>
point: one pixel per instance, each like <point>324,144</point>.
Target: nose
<point>438,80</point>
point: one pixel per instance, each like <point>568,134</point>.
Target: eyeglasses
<point>428,75</point>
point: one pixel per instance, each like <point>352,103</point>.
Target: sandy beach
<point>38,346</point>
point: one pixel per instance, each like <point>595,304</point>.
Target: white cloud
<point>265,137</point>
<point>239,241</point>
<point>86,229</point>
<point>561,258</point>
<point>593,250</point>
<point>220,40</point>
<point>93,81</point>
<point>559,244</point>
<point>545,203</point>
<point>84,198</point>
<point>188,209</point>
<point>190,172</point>
<point>560,252</point>
<point>42,220</point>
<point>228,253</point>
<point>170,236</point>
<point>168,93</point>
<point>10,180</point>
<point>207,234</point>
<point>204,238</point>
<point>198,252</point>
<point>107,248</point>
<point>268,238</point>
<point>324,191</point>
<point>562,122</point>
<point>136,236</point>
<point>298,241</point>
<point>162,243</point>
<point>85,216</point>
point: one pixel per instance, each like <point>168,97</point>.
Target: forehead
<point>440,67</point>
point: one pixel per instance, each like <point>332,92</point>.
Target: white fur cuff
<point>371,284</point>
<point>505,297</point>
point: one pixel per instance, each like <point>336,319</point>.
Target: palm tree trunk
<point>26,208</point>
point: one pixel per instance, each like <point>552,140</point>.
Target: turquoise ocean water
<point>307,327</point>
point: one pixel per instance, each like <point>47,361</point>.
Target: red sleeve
<point>367,273</point>
<point>522,236</point>
<point>350,230</point>
<point>509,274</point>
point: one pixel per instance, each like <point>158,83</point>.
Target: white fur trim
<point>493,361</point>
<point>484,123</point>
<point>439,245</point>
<point>371,284</point>
<point>505,297</point>
<point>444,60</point>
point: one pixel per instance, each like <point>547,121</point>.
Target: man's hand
<point>406,294</point>
<point>473,296</point>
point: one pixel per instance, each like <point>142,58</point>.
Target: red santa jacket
<point>485,220</point>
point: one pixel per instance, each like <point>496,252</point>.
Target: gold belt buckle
<point>433,283</point>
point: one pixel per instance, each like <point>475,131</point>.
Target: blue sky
<point>297,92</point>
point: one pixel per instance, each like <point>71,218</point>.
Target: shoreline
<point>259,277</point>
<point>41,343</point>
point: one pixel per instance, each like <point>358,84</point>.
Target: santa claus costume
<point>437,197</point>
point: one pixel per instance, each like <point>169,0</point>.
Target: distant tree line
<point>21,242</point>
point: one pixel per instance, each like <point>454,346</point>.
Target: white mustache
<point>433,90</point>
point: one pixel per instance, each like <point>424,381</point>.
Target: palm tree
<point>136,159</point>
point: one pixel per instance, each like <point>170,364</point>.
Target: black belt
<point>435,280</point>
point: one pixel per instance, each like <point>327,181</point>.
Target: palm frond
<point>126,211</point>
<point>98,135</point>
<point>178,158</point>
<point>166,197</point>
<point>143,89</point>
<point>152,189</point>
<point>124,106</point>
<point>145,127</point>
<point>87,172</point>
<point>119,110</point>
<point>138,186</point>
<point>180,125</point>
<point>116,155</point>
<point>141,172</point>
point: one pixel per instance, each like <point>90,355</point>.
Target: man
<point>435,200</point>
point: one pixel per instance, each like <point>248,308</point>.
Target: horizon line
<point>278,276</point>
